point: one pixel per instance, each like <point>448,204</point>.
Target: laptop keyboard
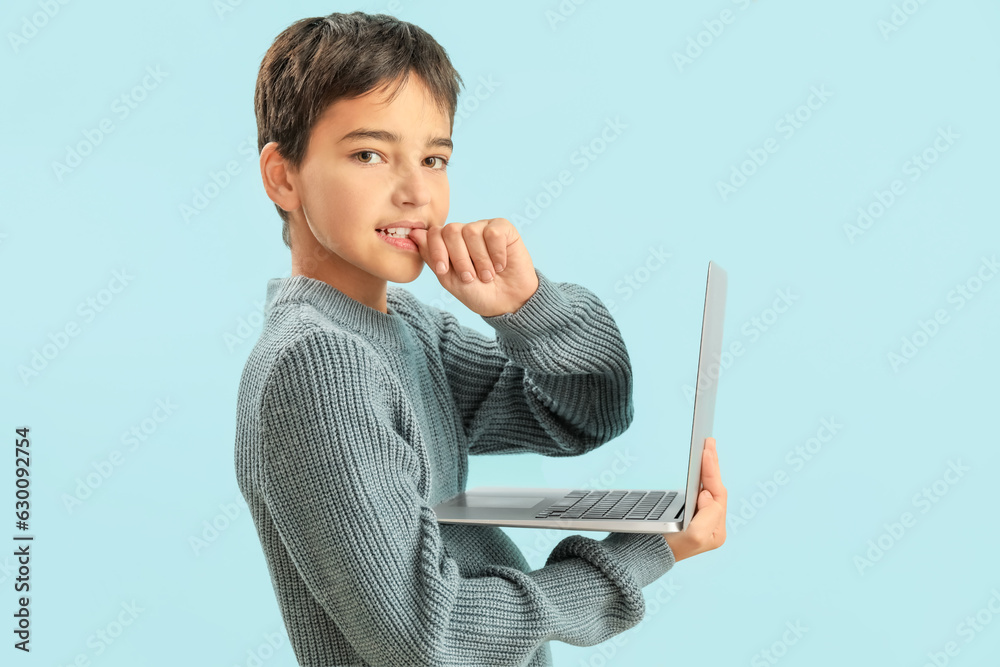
<point>583,504</point>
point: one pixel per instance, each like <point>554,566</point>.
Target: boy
<point>359,405</point>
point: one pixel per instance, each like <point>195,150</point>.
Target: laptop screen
<point>709,369</point>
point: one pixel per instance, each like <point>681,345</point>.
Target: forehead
<point>412,115</point>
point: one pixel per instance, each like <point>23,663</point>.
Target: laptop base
<point>520,507</point>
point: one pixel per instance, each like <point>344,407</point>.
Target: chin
<point>405,276</point>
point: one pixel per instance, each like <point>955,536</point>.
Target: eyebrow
<point>392,138</point>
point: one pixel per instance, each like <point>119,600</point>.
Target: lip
<point>404,243</point>
<point>409,224</point>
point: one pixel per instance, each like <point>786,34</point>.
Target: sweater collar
<point>386,328</point>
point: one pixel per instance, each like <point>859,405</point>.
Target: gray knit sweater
<point>353,423</point>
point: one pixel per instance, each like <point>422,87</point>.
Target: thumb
<point>704,498</point>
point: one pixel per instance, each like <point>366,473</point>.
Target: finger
<point>495,236</point>
<point>458,252</point>
<point>708,515</point>
<point>478,252</point>
<point>419,238</point>
<point>438,251</point>
<point>711,477</point>
<point>432,249</point>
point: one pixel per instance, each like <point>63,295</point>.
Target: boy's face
<point>350,187</point>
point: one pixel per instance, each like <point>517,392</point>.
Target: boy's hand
<point>478,248</point>
<point>707,529</point>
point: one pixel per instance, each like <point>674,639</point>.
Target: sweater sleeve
<point>348,500</point>
<point>556,380</point>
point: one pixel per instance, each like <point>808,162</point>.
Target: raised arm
<point>349,497</point>
<point>556,379</point>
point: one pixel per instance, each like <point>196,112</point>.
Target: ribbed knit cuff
<point>641,558</point>
<point>545,312</point>
<point>646,556</point>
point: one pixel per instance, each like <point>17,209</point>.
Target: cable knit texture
<point>353,423</point>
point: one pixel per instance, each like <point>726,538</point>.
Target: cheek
<point>325,188</point>
<point>337,197</point>
<point>442,202</point>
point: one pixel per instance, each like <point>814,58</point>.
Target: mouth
<point>398,237</point>
<point>401,228</point>
<point>395,232</point>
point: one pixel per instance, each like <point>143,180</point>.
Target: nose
<point>411,187</point>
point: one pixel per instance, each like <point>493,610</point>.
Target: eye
<point>444,161</point>
<point>366,153</point>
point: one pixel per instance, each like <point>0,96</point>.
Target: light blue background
<point>182,327</point>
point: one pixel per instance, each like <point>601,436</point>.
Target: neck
<point>311,259</point>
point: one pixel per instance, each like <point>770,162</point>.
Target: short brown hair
<point>316,61</point>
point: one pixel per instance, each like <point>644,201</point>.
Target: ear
<point>278,178</point>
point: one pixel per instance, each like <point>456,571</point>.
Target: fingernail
<point>498,268</point>
<point>486,276</point>
<point>441,268</point>
<point>466,277</point>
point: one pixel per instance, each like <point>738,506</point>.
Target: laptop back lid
<point>709,369</point>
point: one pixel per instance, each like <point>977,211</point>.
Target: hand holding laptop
<point>707,529</point>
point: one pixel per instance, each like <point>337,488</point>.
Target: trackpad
<point>501,501</point>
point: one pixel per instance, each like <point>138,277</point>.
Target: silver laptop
<point>618,511</point>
